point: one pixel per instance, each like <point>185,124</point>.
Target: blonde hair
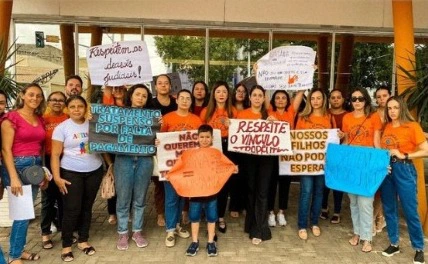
<point>307,111</point>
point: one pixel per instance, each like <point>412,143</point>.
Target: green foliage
<point>7,83</point>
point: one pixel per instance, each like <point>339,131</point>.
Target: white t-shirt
<point>76,156</point>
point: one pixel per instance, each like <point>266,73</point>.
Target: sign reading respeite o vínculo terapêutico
<point>121,130</point>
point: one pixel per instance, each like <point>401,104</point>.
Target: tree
<point>7,83</point>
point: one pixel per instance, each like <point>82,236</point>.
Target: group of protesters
<point>57,137</point>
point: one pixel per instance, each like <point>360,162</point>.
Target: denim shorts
<point>210,208</point>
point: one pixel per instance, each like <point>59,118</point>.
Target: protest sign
<point>309,148</point>
<point>120,63</point>
<point>175,83</point>
<point>259,137</point>
<point>361,172</point>
<point>287,68</point>
<point>122,130</point>
<point>200,172</point>
<point>172,144</point>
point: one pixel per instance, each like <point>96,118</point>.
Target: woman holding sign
<point>217,115</point>
<point>406,141</point>
<point>180,120</point>
<point>314,116</point>
<point>132,179</point>
<point>258,172</point>
<point>282,109</point>
<point>362,128</point>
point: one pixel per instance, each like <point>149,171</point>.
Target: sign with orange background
<point>200,172</point>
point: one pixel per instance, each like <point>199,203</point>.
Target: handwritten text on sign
<point>119,63</point>
<point>259,137</point>
<point>287,68</point>
<point>121,130</point>
<point>172,144</point>
<point>309,147</point>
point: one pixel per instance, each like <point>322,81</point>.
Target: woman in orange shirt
<point>282,110</point>
<point>406,141</point>
<point>258,171</point>
<point>179,120</point>
<point>362,128</point>
<point>314,116</point>
<point>217,115</point>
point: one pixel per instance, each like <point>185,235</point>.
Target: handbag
<point>107,184</point>
<point>33,175</point>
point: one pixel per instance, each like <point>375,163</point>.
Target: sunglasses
<point>359,99</point>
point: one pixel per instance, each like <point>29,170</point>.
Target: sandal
<point>30,256</point>
<point>256,241</point>
<point>234,214</point>
<point>367,246</point>
<point>303,234</point>
<point>316,231</point>
<point>48,244</point>
<point>12,261</point>
<point>161,220</point>
<point>112,219</point>
<point>90,250</point>
<point>67,257</point>
<point>222,227</point>
<point>335,219</point>
<point>355,240</point>
<point>324,214</point>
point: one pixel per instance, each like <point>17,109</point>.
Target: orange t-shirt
<point>172,122</point>
<point>51,121</point>
<point>360,131</point>
<point>406,138</point>
<point>219,119</point>
<point>316,122</point>
<point>248,114</point>
<point>287,116</point>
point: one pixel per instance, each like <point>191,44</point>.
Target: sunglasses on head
<point>359,99</point>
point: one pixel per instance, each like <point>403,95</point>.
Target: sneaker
<point>391,251</point>
<point>271,220</point>
<point>170,239</point>
<point>122,242</point>
<point>192,249</point>
<point>211,249</point>
<point>140,240</point>
<point>281,219</point>
<point>419,257</point>
<point>181,232</point>
<point>324,214</point>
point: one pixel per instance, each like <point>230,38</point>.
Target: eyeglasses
<point>56,101</point>
<point>359,99</point>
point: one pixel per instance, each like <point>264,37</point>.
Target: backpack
<point>107,184</point>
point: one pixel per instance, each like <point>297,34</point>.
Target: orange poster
<point>200,172</point>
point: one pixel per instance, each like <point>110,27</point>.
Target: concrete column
<point>322,53</point>
<point>67,42</point>
<point>344,64</point>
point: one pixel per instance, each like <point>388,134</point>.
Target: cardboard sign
<point>200,172</point>
<point>120,63</point>
<point>287,68</point>
<point>172,144</point>
<point>115,129</point>
<point>259,137</point>
<point>309,148</point>
<point>361,172</point>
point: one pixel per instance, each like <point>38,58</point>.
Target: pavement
<point>234,246</point>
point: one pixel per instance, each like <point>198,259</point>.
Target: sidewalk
<point>234,246</point>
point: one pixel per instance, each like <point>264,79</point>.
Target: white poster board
<point>287,68</point>
<point>172,144</point>
<point>119,63</point>
<point>259,137</point>
<point>309,148</point>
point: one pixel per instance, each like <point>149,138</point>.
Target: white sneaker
<point>170,239</point>
<point>271,220</point>
<point>181,232</point>
<point>281,219</point>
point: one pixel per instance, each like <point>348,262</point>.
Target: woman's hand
<point>16,186</point>
<point>157,142</point>
<point>340,134</point>
<point>271,118</point>
<point>62,185</point>
<point>396,153</point>
<point>44,184</point>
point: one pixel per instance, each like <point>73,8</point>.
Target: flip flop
<point>67,257</point>
<point>354,241</point>
<point>30,256</point>
<point>48,244</point>
<point>303,234</point>
<point>88,250</point>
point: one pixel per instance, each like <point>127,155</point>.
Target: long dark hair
<point>207,95</point>
<point>368,109</point>
<point>263,110</point>
<point>246,102</point>
<point>212,104</point>
<point>272,100</point>
<point>130,92</point>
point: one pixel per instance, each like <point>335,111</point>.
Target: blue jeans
<point>132,178</point>
<point>310,201</point>
<point>18,235</point>
<point>362,215</point>
<point>195,208</point>
<point>402,182</point>
<point>2,260</point>
<point>173,207</point>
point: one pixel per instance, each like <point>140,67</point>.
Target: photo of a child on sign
<point>200,174</point>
